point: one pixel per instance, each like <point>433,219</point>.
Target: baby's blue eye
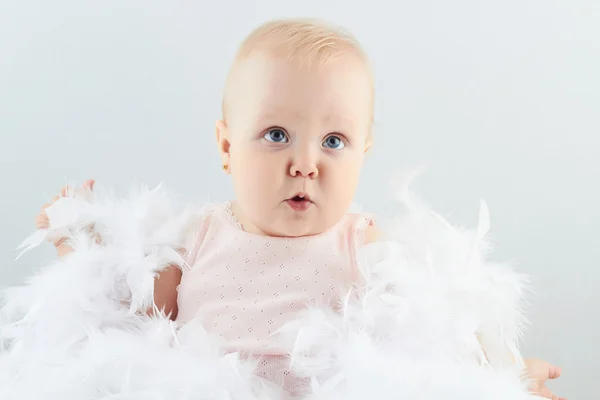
<point>333,142</point>
<point>276,136</point>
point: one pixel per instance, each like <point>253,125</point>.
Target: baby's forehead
<point>271,91</point>
<point>280,79</point>
<point>268,79</point>
<point>323,116</point>
<point>306,42</point>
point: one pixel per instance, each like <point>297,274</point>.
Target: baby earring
<point>225,166</point>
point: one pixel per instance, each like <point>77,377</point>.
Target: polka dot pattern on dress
<point>243,286</point>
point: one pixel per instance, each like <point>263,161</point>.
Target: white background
<point>500,98</point>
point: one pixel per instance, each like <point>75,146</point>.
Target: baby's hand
<point>539,371</point>
<point>42,221</point>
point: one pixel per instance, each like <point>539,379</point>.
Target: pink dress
<point>245,286</point>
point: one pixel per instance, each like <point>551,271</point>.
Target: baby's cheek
<point>258,179</point>
<point>346,178</point>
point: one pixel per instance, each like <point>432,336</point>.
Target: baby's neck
<point>244,222</point>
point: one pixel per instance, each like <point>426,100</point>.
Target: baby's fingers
<point>66,191</point>
<point>554,372</point>
<point>545,392</point>
<point>89,184</point>
<point>41,221</point>
<point>86,187</point>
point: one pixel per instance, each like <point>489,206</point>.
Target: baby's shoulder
<point>205,220</point>
<point>364,224</point>
<point>372,233</point>
<point>206,211</point>
<point>202,216</point>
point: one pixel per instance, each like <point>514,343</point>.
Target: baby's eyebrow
<point>274,112</point>
<point>332,120</point>
<point>341,122</point>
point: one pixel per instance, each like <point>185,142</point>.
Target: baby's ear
<point>222,134</point>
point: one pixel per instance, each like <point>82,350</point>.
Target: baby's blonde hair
<point>308,42</point>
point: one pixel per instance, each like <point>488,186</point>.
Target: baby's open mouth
<point>299,202</point>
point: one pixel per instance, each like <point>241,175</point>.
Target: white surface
<point>501,99</point>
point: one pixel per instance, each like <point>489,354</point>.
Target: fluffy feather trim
<point>411,329</point>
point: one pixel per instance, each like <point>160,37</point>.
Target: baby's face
<point>295,143</point>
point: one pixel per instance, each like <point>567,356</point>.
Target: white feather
<point>409,330</point>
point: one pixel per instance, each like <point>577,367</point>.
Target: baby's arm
<point>165,291</point>
<point>165,285</point>
<point>539,371</point>
<point>42,222</point>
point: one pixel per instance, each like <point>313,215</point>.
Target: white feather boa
<point>412,331</point>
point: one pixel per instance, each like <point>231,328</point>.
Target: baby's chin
<point>300,225</point>
<point>285,220</point>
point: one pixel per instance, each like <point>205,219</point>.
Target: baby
<point>296,125</point>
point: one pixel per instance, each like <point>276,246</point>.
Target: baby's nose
<point>304,166</point>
